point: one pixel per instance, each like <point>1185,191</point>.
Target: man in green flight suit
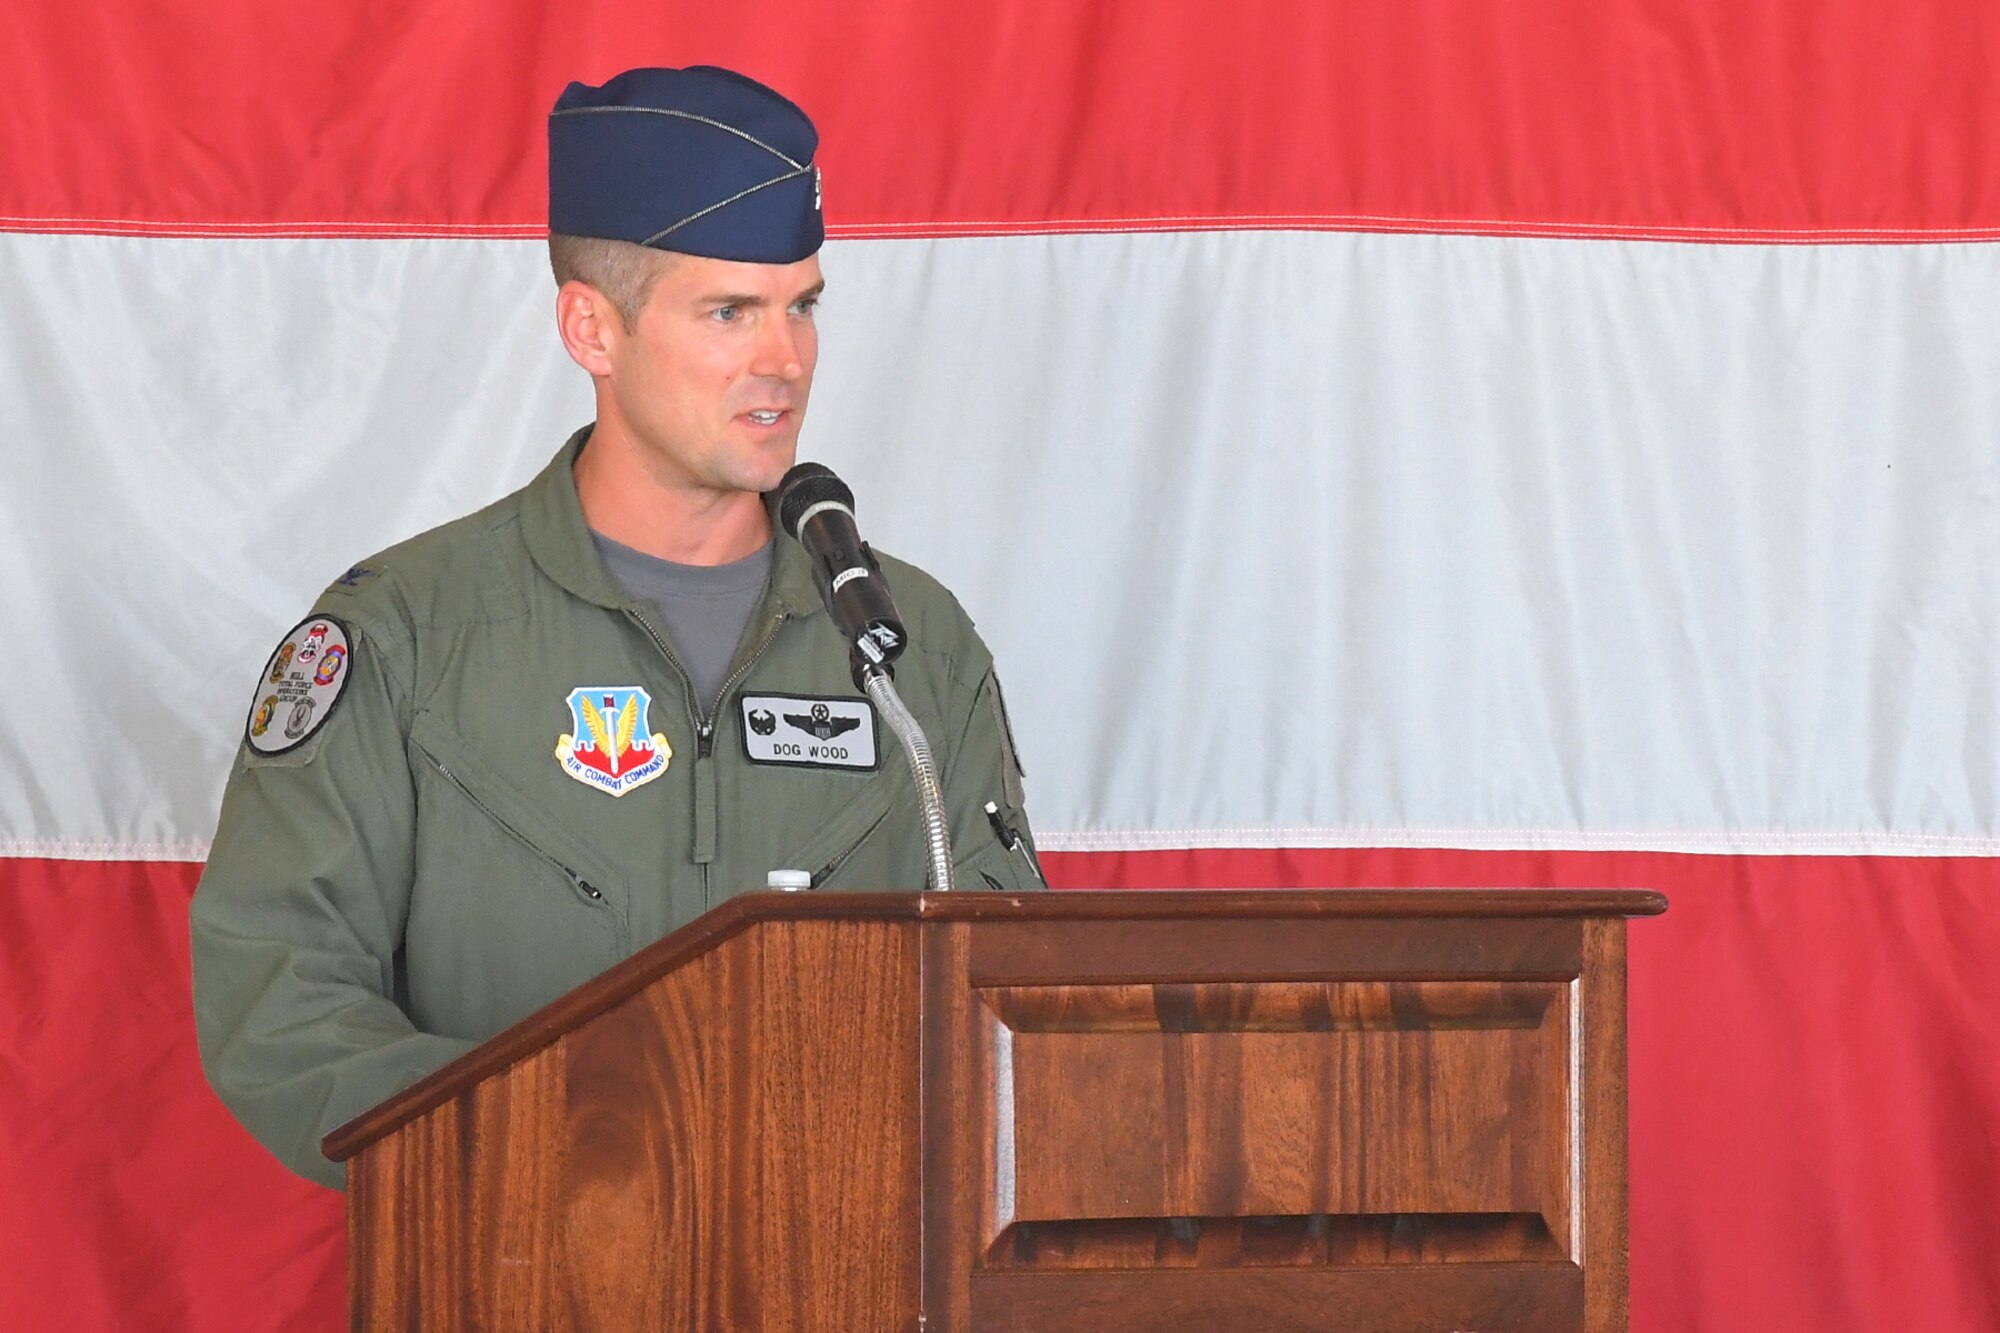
<point>503,755</point>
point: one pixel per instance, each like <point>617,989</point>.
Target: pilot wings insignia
<point>821,722</point>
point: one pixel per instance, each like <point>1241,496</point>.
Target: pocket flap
<point>852,824</point>
<point>514,812</point>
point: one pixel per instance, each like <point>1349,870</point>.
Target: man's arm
<point>296,925</point>
<point>996,850</point>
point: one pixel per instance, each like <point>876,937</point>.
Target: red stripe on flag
<point>1710,119</point>
<point>129,1199</point>
<point>1815,1091</point>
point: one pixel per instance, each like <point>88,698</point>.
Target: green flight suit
<point>422,873</point>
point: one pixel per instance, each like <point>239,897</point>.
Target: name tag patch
<point>807,732</point>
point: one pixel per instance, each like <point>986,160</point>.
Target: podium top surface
<point>738,914</point>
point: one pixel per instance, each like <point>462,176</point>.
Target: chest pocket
<point>532,852</point>
<point>835,855</point>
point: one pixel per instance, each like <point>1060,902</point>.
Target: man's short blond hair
<point>623,271</point>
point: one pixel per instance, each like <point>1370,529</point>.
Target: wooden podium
<point>1117,1112</point>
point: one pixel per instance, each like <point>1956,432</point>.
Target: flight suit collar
<point>559,543</point>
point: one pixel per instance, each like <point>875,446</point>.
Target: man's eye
<point>805,306</point>
<point>727,314</point>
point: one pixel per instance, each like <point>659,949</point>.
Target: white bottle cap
<point>791,881</point>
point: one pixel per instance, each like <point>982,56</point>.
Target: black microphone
<point>817,509</point>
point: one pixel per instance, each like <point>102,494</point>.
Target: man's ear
<point>590,326</point>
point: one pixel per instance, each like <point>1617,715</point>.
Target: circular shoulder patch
<point>302,681</point>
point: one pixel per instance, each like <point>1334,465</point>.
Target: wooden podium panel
<point>1286,1100</point>
<point>1374,1124</point>
<point>967,1113</point>
<point>706,1153</point>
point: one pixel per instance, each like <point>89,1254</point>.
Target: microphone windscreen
<point>804,486</point>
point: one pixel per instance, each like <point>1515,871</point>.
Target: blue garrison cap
<point>701,160</point>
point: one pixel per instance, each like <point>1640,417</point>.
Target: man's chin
<point>765,466</point>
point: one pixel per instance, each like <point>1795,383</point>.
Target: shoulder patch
<point>302,681</point>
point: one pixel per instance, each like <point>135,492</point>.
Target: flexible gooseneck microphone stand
<point>880,687</point>
<point>817,509</point>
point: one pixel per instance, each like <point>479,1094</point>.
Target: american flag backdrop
<point>1433,442</point>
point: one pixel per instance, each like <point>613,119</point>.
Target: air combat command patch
<point>610,746</point>
<point>300,684</point>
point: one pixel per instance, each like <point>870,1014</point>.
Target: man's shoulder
<point>921,596</point>
<point>465,569</point>
<point>938,623</point>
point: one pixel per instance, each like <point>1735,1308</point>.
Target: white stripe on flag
<point>1280,538</point>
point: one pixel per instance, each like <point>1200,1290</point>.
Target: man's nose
<point>777,354</point>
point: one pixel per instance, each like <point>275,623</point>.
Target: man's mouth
<point>765,416</point>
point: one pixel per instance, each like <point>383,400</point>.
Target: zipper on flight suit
<point>832,868</point>
<point>704,734</point>
<point>584,888</point>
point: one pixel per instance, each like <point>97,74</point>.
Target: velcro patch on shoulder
<point>805,731</point>
<point>302,681</point>
<point>1011,772</point>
